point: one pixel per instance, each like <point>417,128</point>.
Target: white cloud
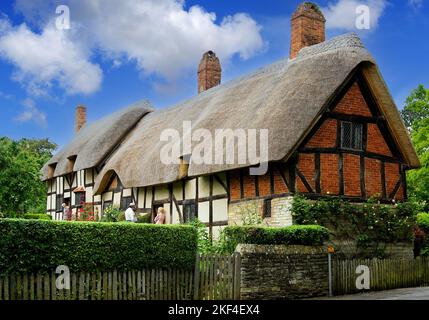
<point>32,113</point>
<point>161,37</point>
<point>47,59</point>
<point>342,14</point>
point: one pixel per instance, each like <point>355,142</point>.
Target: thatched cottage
<point>333,129</point>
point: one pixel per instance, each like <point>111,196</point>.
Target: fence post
<point>237,275</point>
<point>197,277</point>
<point>330,274</point>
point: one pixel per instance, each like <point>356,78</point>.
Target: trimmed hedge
<point>39,245</point>
<point>38,216</point>
<point>292,235</point>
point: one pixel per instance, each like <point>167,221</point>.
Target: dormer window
<point>351,135</point>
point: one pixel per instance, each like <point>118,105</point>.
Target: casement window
<point>189,211</point>
<point>267,208</point>
<point>351,135</point>
<point>79,199</point>
<point>58,204</point>
<point>125,202</point>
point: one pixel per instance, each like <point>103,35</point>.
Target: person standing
<point>130,214</point>
<point>160,217</point>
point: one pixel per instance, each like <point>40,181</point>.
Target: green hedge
<point>38,216</point>
<point>36,245</point>
<point>292,235</point>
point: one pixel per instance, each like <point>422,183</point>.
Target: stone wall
<point>282,272</point>
<point>281,215</point>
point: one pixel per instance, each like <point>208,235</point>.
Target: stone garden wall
<point>283,272</point>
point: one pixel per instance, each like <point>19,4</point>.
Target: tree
<point>416,118</point>
<point>21,189</point>
<point>416,108</point>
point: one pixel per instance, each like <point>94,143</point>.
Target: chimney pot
<point>80,118</point>
<point>307,27</point>
<point>209,71</point>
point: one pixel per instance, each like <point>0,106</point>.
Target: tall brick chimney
<point>80,118</point>
<point>307,27</point>
<point>209,71</point>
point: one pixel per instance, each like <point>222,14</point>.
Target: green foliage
<point>370,222</point>
<point>249,212</point>
<point>145,218</point>
<point>39,245</point>
<point>86,213</point>
<point>112,214</point>
<point>292,235</point>
<point>205,246</point>
<point>21,189</point>
<point>423,221</point>
<point>37,216</point>
<point>423,224</point>
<point>416,117</point>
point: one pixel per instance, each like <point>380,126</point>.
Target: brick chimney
<point>307,27</point>
<point>80,118</point>
<point>209,71</point>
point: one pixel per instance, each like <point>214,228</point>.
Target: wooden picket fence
<point>214,277</point>
<point>385,274</point>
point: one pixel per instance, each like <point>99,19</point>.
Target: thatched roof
<point>286,97</point>
<point>94,142</point>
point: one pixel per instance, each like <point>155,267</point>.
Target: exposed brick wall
<point>279,184</point>
<point>373,183</point>
<point>353,103</point>
<point>392,176</point>
<point>376,142</point>
<point>329,177</point>
<point>351,175</point>
<point>264,185</point>
<point>234,184</point>
<point>249,189</point>
<point>326,135</point>
<point>249,186</point>
<point>306,166</point>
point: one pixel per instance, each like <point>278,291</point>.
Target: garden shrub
<point>292,235</point>
<point>112,214</point>
<point>144,218</point>
<point>423,221</point>
<point>37,216</point>
<point>423,224</point>
<point>40,245</point>
<point>369,222</point>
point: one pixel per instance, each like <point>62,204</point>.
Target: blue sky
<point>117,53</point>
